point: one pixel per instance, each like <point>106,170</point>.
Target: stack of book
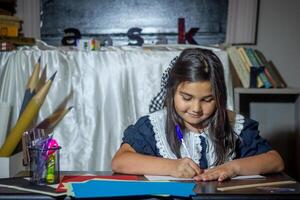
<point>11,33</point>
<point>253,69</point>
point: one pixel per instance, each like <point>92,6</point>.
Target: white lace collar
<point>191,139</point>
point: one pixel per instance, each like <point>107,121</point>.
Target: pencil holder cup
<point>44,165</point>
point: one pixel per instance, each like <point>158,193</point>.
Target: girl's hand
<point>220,173</point>
<point>185,168</point>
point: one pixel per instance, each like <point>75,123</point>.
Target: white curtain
<point>112,88</point>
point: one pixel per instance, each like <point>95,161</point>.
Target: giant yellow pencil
<point>41,82</point>
<point>32,83</point>
<point>25,120</point>
<point>31,86</point>
<point>42,79</point>
<point>51,121</point>
<point>29,93</point>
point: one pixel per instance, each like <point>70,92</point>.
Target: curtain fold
<point>112,89</point>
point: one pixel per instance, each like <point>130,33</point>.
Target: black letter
<point>189,35</point>
<point>134,34</point>
<point>70,37</point>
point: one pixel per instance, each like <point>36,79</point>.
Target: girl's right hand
<point>185,168</point>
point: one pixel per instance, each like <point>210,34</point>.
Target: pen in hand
<point>180,137</point>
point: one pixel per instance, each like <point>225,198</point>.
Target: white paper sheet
<point>249,177</point>
<point>165,178</point>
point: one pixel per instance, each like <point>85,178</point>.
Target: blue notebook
<point>108,188</point>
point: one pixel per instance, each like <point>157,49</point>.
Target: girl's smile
<point>194,103</point>
<point>195,115</point>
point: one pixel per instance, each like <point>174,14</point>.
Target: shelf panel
<point>278,113</point>
<point>266,91</point>
<point>244,96</point>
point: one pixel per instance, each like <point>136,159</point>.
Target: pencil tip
<point>39,60</point>
<point>53,76</point>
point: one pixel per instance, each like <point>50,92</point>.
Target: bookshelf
<point>277,111</point>
<point>252,69</point>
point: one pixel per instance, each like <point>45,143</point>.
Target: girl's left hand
<point>220,173</point>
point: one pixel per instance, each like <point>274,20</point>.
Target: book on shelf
<point>238,65</point>
<point>252,69</point>
<point>272,70</point>
<point>18,40</point>
<point>268,75</point>
<point>258,82</point>
<point>10,26</point>
<point>9,18</point>
<point>254,63</point>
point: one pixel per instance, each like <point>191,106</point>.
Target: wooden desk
<point>204,190</point>
<point>208,190</point>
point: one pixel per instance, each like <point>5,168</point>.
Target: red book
<point>268,75</point>
<point>78,178</point>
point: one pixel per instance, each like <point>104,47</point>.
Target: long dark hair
<point>196,64</point>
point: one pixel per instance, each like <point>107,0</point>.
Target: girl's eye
<point>186,98</point>
<point>208,99</point>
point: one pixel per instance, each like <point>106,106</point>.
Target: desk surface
<point>204,190</point>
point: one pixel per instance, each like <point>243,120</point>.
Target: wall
<point>109,21</point>
<point>29,12</point>
<point>278,37</point>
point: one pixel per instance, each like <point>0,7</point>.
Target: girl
<point>217,144</point>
